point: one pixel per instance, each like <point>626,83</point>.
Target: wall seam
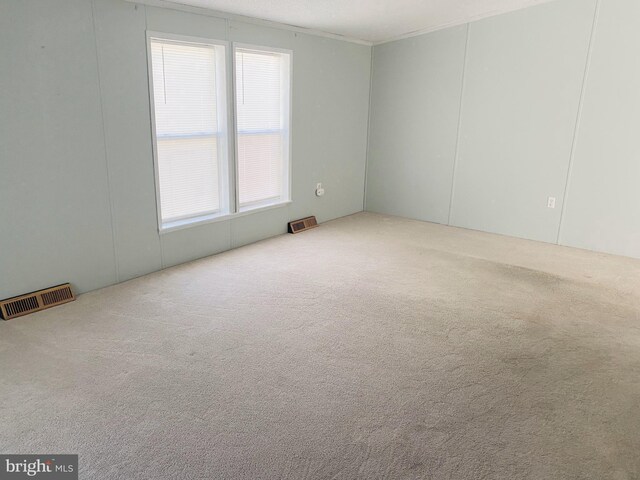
<point>576,129</point>
<point>459,129</point>
<point>104,144</point>
<point>366,155</point>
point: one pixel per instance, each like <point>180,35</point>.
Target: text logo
<point>47,467</point>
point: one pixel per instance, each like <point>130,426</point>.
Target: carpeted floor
<point>371,347</point>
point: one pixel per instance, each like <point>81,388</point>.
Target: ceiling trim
<point>245,19</point>
<point>462,21</point>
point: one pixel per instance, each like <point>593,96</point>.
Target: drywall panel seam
<point>459,131</point>
<point>251,20</point>
<point>104,144</point>
<point>576,129</point>
<point>366,155</point>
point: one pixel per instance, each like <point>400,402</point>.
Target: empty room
<point>318,239</point>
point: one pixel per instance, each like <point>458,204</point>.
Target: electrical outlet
<point>551,202</point>
<point>319,190</point>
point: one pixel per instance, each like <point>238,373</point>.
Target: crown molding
<point>251,20</point>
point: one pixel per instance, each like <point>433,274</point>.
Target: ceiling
<point>374,21</point>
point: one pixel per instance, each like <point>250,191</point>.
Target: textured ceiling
<point>370,20</point>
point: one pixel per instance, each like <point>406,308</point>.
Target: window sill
<point>214,218</point>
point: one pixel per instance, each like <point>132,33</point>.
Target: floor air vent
<point>302,224</point>
<point>35,301</point>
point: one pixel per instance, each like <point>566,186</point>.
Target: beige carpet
<point>371,347</point>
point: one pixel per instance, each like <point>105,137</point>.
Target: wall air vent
<point>36,301</point>
<point>302,224</point>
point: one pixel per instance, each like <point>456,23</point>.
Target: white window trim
<point>229,195</point>
<point>285,196</point>
<point>205,219</point>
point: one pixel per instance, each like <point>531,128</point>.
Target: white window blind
<point>189,105</point>
<point>262,86</point>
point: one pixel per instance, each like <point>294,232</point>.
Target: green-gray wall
<point>77,198</point>
<point>473,126</point>
<point>477,125</point>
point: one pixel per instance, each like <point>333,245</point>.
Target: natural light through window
<point>189,104</point>
<point>262,87</point>
<point>221,128</point>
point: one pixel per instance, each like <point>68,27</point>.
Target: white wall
<point>414,118</point>
<point>602,211</point>
<point>523,77</point>
<point>77,199</point>
<point>489,131</point>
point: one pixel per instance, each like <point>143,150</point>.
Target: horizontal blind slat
<point>260,125</point>
<point>184,88</point>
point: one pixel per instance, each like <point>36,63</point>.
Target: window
<point>198,176</point>
<point>190,128</point>
<point>262,125</point>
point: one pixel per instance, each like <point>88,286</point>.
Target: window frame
<point>285,196</point>
<point>228,171</point>
<point>222,95</point>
